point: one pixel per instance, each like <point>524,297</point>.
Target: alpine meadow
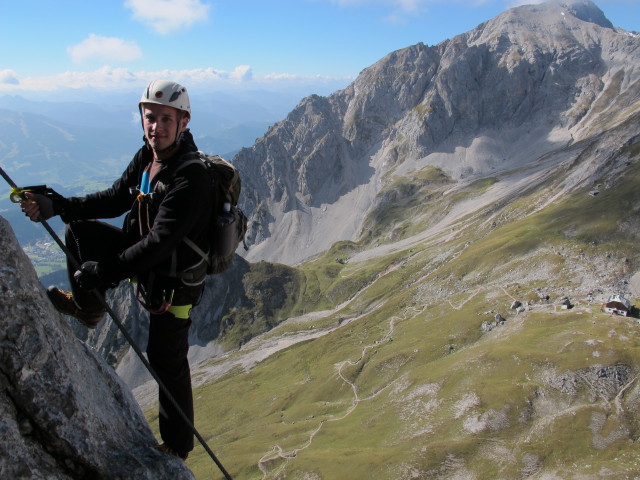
<point>442,282</point>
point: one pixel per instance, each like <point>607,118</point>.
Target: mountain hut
<point>617,305</point>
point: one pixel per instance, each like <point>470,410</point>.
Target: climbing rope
<point>18,193</point>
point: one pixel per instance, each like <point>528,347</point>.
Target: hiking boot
<point>164,448</point>
<point>64,303</point>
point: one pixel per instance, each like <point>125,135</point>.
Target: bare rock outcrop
<point>64,412</point>
<point>526,83</point>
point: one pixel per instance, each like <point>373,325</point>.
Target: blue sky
<point>279,44</point>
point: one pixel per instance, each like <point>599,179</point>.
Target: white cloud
<point>166,16</point>
<point>409,5</point>
<point>395,18</point>
<point>111,78</point>
<point>75,84</point>
<point>9,77</point>
<point>103,49</point>
<point>292,78</point>
<point>104,77</point>
<point>242,73</point>
<point>201,76</point>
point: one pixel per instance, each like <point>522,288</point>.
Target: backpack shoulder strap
<point>189,159</point>
<point>196,248</point>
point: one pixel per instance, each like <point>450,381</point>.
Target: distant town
<point>46,257</point>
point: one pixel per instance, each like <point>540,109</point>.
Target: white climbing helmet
<point>165,92</point>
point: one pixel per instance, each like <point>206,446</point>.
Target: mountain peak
<point>547,19</point>
<point>537,76</point>
<point>584,10</point>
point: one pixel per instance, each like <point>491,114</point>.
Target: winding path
<point>277,453</point>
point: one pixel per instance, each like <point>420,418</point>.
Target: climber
<point>165,204</point>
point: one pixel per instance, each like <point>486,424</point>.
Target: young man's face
<point>160,125</point>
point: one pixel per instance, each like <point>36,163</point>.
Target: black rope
<point>128,337</point>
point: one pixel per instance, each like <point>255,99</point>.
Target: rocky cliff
<point>526,83</point>
<point>65,414</point>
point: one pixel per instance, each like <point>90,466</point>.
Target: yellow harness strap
<point>180,311</point>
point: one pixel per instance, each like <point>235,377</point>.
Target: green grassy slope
<point>407,384</point>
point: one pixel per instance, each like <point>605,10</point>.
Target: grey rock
<point>65,414</point>
<point>600,382</point>
<point>486,327</point>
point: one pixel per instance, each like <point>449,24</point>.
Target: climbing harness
<point>16,195</point>
<point>157,308</point>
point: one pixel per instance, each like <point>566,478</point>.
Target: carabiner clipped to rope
<point>17,193</point>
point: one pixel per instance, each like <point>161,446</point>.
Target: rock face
<point>64,412</point>
<point>526,83</point>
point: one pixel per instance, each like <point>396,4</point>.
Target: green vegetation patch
<point>407,384</point>
<point>404,200</point>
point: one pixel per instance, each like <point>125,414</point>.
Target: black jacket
<point>183,208</point>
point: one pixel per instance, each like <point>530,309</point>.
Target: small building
<point>617,305</point>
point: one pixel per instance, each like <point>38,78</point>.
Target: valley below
<point>412,374</point>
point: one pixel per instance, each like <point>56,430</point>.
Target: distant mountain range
<point>80,147</point>
<point>73,142</point>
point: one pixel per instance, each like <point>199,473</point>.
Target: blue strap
<point>145,184</point>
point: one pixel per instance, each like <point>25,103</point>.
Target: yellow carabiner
<point>16,195</point>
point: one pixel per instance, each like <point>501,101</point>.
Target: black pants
<point>91,241</point>
<point>168,344</point>
<point>167,352</point>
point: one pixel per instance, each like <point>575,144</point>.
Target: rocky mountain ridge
<point>516,88</point>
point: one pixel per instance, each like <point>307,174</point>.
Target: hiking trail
<point>277,453</point>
